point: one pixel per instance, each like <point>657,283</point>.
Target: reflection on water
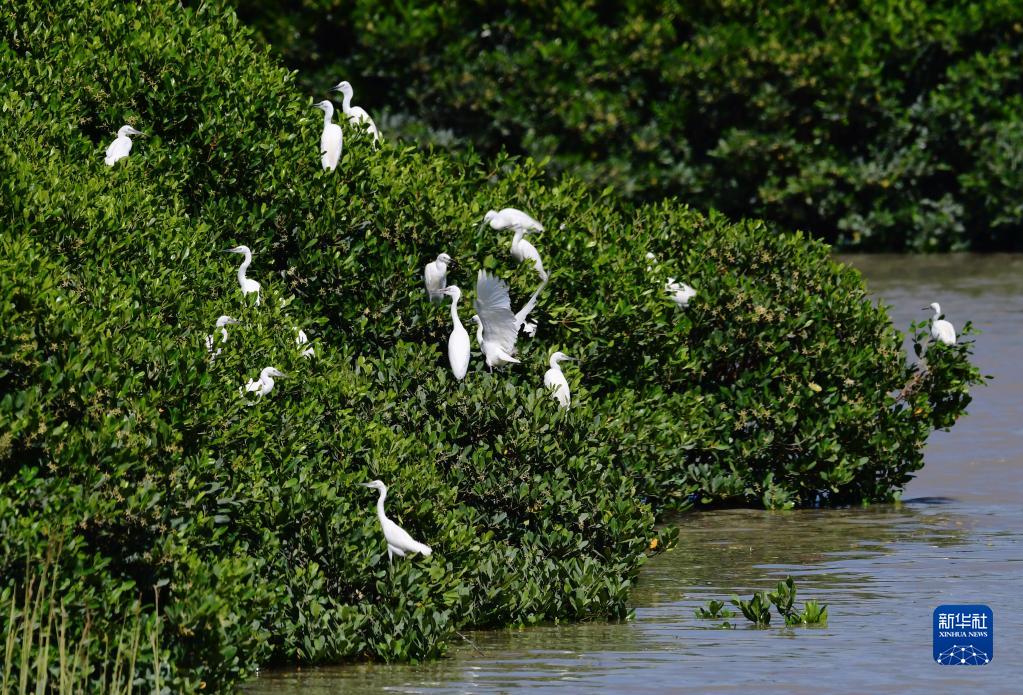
<point>957,539</point>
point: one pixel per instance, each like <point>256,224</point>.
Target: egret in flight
<point>263,385</point>
<point>398,541</point>
<point>248,286</point>
<point>356,114</point>
<point>301,339</point>
<point>498,327</point>
<point>521,224</point>
<point>941,330</point>
<point>436,276</point>
<point>121,145</point>
<point>680,292</point>
<point>222,323</point>
<point>458,343</point>
<point>555,380</point>
<point>332,138</point>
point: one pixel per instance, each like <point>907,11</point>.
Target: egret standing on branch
<point>521,224</point>
<point>436,277</point>
<point>248,286</point>
<point>941,330</point>
<point>332,138</point>
<point>555,380</point>
<point>356,114</point>
<point>263,385</point>
<point>398,541</point>
<point>458,343</point>
<point>121,146</point>
<point>222,323</point>
<point>498,326</point>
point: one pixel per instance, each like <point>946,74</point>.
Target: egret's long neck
<point>479,334</point>
<point>380,505</point>
<point>454,311</point>
<point>554,363</point>
<point>937,313</point>
<point>243,267</point>
<point>346,102</point>
<point>328,113</point>
<point>519,234</point>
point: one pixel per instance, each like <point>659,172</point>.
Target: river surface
<point>882,570</point>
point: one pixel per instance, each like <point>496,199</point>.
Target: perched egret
<point>941,330</point>
<point>398,541</point>
<point>521,224</point>
<point>332,138</point>
<point>121,145</point>
<point>248,286</point>
<point>680,292</point>
<point>263,385</point>
<point>555,380</point>
<point>436,276</point>
<point>458,343</point>
<point>356,114</point>
<point>222,323</point>
<point>651,261</point>
<point>498,327</point>
<point>301,339</point>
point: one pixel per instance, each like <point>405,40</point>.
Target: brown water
<point>957,538</point>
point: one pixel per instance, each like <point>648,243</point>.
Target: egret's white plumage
<point>356,114</point>
<point>521,224</point>
<point>332,138</point>
<point>121,145</point>
<point>399,542</point>
<point>458,343</point>
<point>529,328</point>
<point>301,339</point>
<point>436,277</point>
<point>510,218</point>
<point>680,292</point>
<point>498,326</point>
<point>265,383</point>
<point>522,250</point>
<point>554,380</point>
<point>248,286</point>
<point>222,324</point>
<point>941,330</point>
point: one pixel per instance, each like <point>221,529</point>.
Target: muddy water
<point>957,538</point>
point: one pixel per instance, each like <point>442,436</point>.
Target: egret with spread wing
<point>498,326</point>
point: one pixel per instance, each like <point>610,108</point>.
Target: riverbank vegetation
<point>235,529</point>
<point>875,126</point>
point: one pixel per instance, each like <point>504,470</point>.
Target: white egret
<point>651,261</point>
<point>680,292</point>
<point>248,286</point>
<point>521,224</point>
<point>458,343</point>
<point>356,114</point>
<point>529,328</point>
<point>222,324</point>
<point>554,380</point>
<point>301,339</point>
<point>498,326</point>
<point>941,330</point>
<point>332,138</point>
<point>121,145</point>
<point>398,541</point>
<point>435,276</point>
<point>263,385</point>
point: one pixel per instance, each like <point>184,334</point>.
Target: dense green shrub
<point>123,445</point>
<point>875,125</point>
